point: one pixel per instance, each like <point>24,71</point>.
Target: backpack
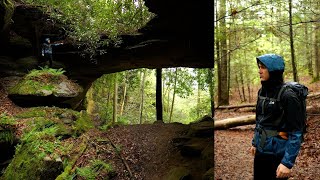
<point>301,92</point>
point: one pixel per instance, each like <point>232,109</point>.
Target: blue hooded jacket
<point>266,112</point>
<point>273,62</point>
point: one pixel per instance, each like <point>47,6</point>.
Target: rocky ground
<point>149,151</point>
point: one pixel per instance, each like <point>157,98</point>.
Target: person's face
<point>263,72</point>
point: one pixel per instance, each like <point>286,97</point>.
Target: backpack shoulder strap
<point>265,98</point>
<point>284,86</point>
<point>279,119</point>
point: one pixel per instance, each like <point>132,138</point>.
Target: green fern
<point>92,170</point>
<point>7,136</point>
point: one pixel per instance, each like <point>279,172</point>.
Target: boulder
<point>46,87</point>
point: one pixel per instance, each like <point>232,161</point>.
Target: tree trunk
<point>174,94</point>
<point>238,87</point>
<point>223,83</point>
<point>115,97</point>
<point>233,122</point>
<point>211,89</point>
<point>308,49</point>
<point>238,121</point>
<point>163,94</point>
<point>124,93</point>
<point>249,92</point>
<point>242,86</point>
<point>316,51</point>
<point>198,97</point>
<point>142,94</point>
<point>159,94</point>
<point>294,67</point>
<point>168,101</point>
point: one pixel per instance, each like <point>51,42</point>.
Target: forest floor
<point>150,155</point>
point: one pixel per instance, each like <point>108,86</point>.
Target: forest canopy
<point>247,29</point>
<point>87,21</point>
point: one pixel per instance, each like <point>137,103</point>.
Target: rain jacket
<point>268,110</point>
<point>47,48</point>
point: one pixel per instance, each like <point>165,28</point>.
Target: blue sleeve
<point>56,44</point>
<point>292,149</point>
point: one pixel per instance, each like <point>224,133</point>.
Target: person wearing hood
<point>46,50</point>
<point>279,127</point>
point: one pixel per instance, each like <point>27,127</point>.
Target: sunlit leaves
<point>86,21</point>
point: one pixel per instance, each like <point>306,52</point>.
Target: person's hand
<point>283,171</point>
<point>252,150</point>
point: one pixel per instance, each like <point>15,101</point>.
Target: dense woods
<point>247,29</point>
<point>185,95</point>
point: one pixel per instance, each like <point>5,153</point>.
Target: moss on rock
<point>46,82</point>
<point>42,149</point>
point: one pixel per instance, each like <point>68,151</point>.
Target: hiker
<point>279,125</point>
<point>46,51</point>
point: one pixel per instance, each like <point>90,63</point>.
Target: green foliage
<point>44,117</point>
<point>83,123</point>
<point>44,82</point>
<point>202,109</point>
<point>185,81</point>
<point>92,170</point>
<point>6,119</point>
<point>87,21</point>
<point>100,96</point>
<point>25,165</point>
<point>6,136</point>
<point>8,6</point>
<point>26,87</point>
<point>33,81</point>
<point>41,139</point>
<point>28,160</point>
<point>6,128</point>
<point>86,173</point>
<point>45,70</point>
<point>38,112</point>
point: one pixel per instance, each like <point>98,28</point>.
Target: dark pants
<point>265,166</point>
<point>48,57</point>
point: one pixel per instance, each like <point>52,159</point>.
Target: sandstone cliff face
<point>176,37</point>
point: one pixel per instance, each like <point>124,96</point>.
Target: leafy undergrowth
<point>52,147</point>
<point>44,82</point>
<point>56,143</point>
<point>41,150</point>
